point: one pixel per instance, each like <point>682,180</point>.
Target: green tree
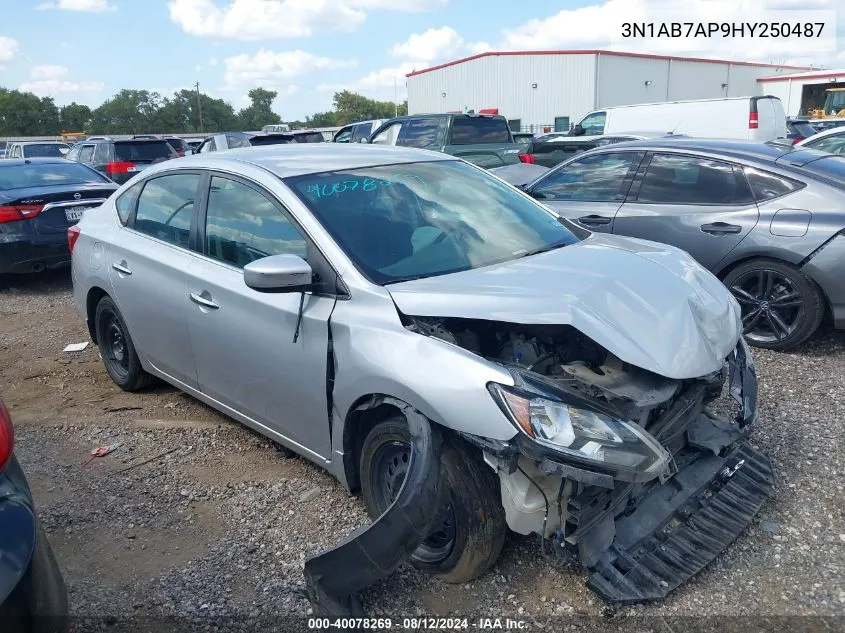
<point>24,114</point>
<point>260,112</point>
<point>322,119</point>
<point>75,117</point>
<point>127,112</point>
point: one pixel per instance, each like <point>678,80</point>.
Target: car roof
<point>298,159</point>
<point>39,142</point>
<point>53,160</point>
<point>737,149</point>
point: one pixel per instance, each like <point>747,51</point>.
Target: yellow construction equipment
<point>834,105</point>
<point>72,137</point>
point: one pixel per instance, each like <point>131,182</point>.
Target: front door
<point>589,190</point>
<point>147,261</point>
<point>702,206</point>
<point>248,354</point>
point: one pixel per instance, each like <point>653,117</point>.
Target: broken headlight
<point>583,435</point>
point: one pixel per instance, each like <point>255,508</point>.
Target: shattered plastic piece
<point>374,551</point>
<point>101,451</point>
<point>76,347</point>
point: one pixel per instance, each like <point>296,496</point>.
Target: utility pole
<point>395,98</point>
<point>199,102</point>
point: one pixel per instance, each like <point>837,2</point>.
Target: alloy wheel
<point>772,305</point>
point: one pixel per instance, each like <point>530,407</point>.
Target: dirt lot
<point>217,529</point>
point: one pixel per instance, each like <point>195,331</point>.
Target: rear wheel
<point>469,532</point>
<point>781,306</point>
<point>117,349</point>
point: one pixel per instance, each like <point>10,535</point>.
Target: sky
<point>87,50</point>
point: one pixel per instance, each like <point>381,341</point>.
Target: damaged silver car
<point>441,342</point>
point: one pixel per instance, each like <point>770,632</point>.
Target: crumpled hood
<point>649,304</point>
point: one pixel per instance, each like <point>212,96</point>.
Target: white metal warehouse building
<point>550,90</point>
<point>802,91</point>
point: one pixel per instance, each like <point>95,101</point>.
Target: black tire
<point>781,306</point>
<point>117,349</point>
<point>471,530</point>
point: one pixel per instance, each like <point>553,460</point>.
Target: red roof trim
<point>803,76</point>
<point>601,52</point>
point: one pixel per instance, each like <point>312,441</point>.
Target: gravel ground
<point>216,526</point>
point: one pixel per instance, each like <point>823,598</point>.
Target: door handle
<point>594,220</point>
<point>206,303</point>
<point>721,228</point>
<point>121,268</point>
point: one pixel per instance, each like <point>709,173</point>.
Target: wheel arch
<point>92,299</point>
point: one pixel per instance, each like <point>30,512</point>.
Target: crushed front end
<point>635,475</point>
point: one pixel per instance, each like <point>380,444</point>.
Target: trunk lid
<point>63,204</point>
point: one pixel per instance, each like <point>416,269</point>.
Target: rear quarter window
<point>126,202</point>
<point>142,151</point>
<point>479,131</point>
<point>768,186</point>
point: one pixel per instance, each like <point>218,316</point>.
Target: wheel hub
<point>772,304</point>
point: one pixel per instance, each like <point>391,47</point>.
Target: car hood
<point>649,304</point>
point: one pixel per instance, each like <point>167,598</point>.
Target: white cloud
<point>48,72</point>
<point>274,19</point>
<point>270,69</point>
<point>8,48</point>
<point>477,48</point>
<point>56,87</point>
<point>431,45</point>
<point>91,6</point>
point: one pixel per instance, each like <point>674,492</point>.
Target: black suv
<point>120,160</point>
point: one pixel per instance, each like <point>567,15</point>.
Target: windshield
<point>415,220</point>
<point>142,151</point>
<point>44,150</point>
<point>19,176</point>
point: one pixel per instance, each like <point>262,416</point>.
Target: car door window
<point>361,131</point>
<point>388,135</point>
<point>596,178</point>
<point>835,144</point>
<point>675,179</point>
<point>86,154</point>
<point>101,154</point>
<point>235,141</point>
<point>73,154</point>
<point>344,136</point>
<point>243,224</point>
<point>166,207</point>
<point>207,145</point>
<point>594,123</point>
<point>419,133</point>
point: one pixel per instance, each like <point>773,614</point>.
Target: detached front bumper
<point>639,541</point>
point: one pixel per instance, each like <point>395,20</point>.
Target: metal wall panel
<point>622,80</point>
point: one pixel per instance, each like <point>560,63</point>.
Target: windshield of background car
<point>47,174</point>
<point>408,221</point>
<point>44,150</point>
<point>142,151</point>
<point>479,130</point>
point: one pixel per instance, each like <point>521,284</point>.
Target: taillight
<point>527,158</point>
<point>123,167</point>
<point>73,233</point>
<point>753,121</point>
<point>7,436</point>
<point>180,153</point>
<point>16,212</point>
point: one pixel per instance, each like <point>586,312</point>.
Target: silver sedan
<point>351,301</point>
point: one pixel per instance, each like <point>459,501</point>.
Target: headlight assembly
<point>584,436</point>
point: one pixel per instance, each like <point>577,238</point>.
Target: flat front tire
<point>470,530</point>
<point>117,349</point>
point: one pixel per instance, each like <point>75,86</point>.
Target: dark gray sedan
<point>767,219</point>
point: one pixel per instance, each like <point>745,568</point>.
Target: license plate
<point>74,214</point>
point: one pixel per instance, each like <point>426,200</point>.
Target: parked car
<point>194,143</point>
<point>343,301</point>
<point>831,140</point>
<point>33,597</point>
<point>550,151</point>
<point>275,127</point>
<point>798,129</point>
<point>820,125</point>
<point>147,137</point>
<point>766,218</point>
<point>120,160</point>
<point>234,140</point>
<point>357,132</point>
<point>37,149</point>
<point>3,149</point>
<point>39,199</point>
<point>755,118</point>
<point>482,139</point>
<point>179,146</point>
<point>307,136</point>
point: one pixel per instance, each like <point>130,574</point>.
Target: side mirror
<point>278,273</point>
<point>189,152</point>
<point>577,130</point>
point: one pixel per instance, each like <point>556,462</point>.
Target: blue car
<point>33,598</point>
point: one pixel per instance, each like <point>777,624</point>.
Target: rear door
<point>482,140</point>
<point>148,260</point>
<point>701,205</point>
<point>771,119</point>
<point>589,190</point>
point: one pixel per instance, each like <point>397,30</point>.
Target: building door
<point>561,124</point>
